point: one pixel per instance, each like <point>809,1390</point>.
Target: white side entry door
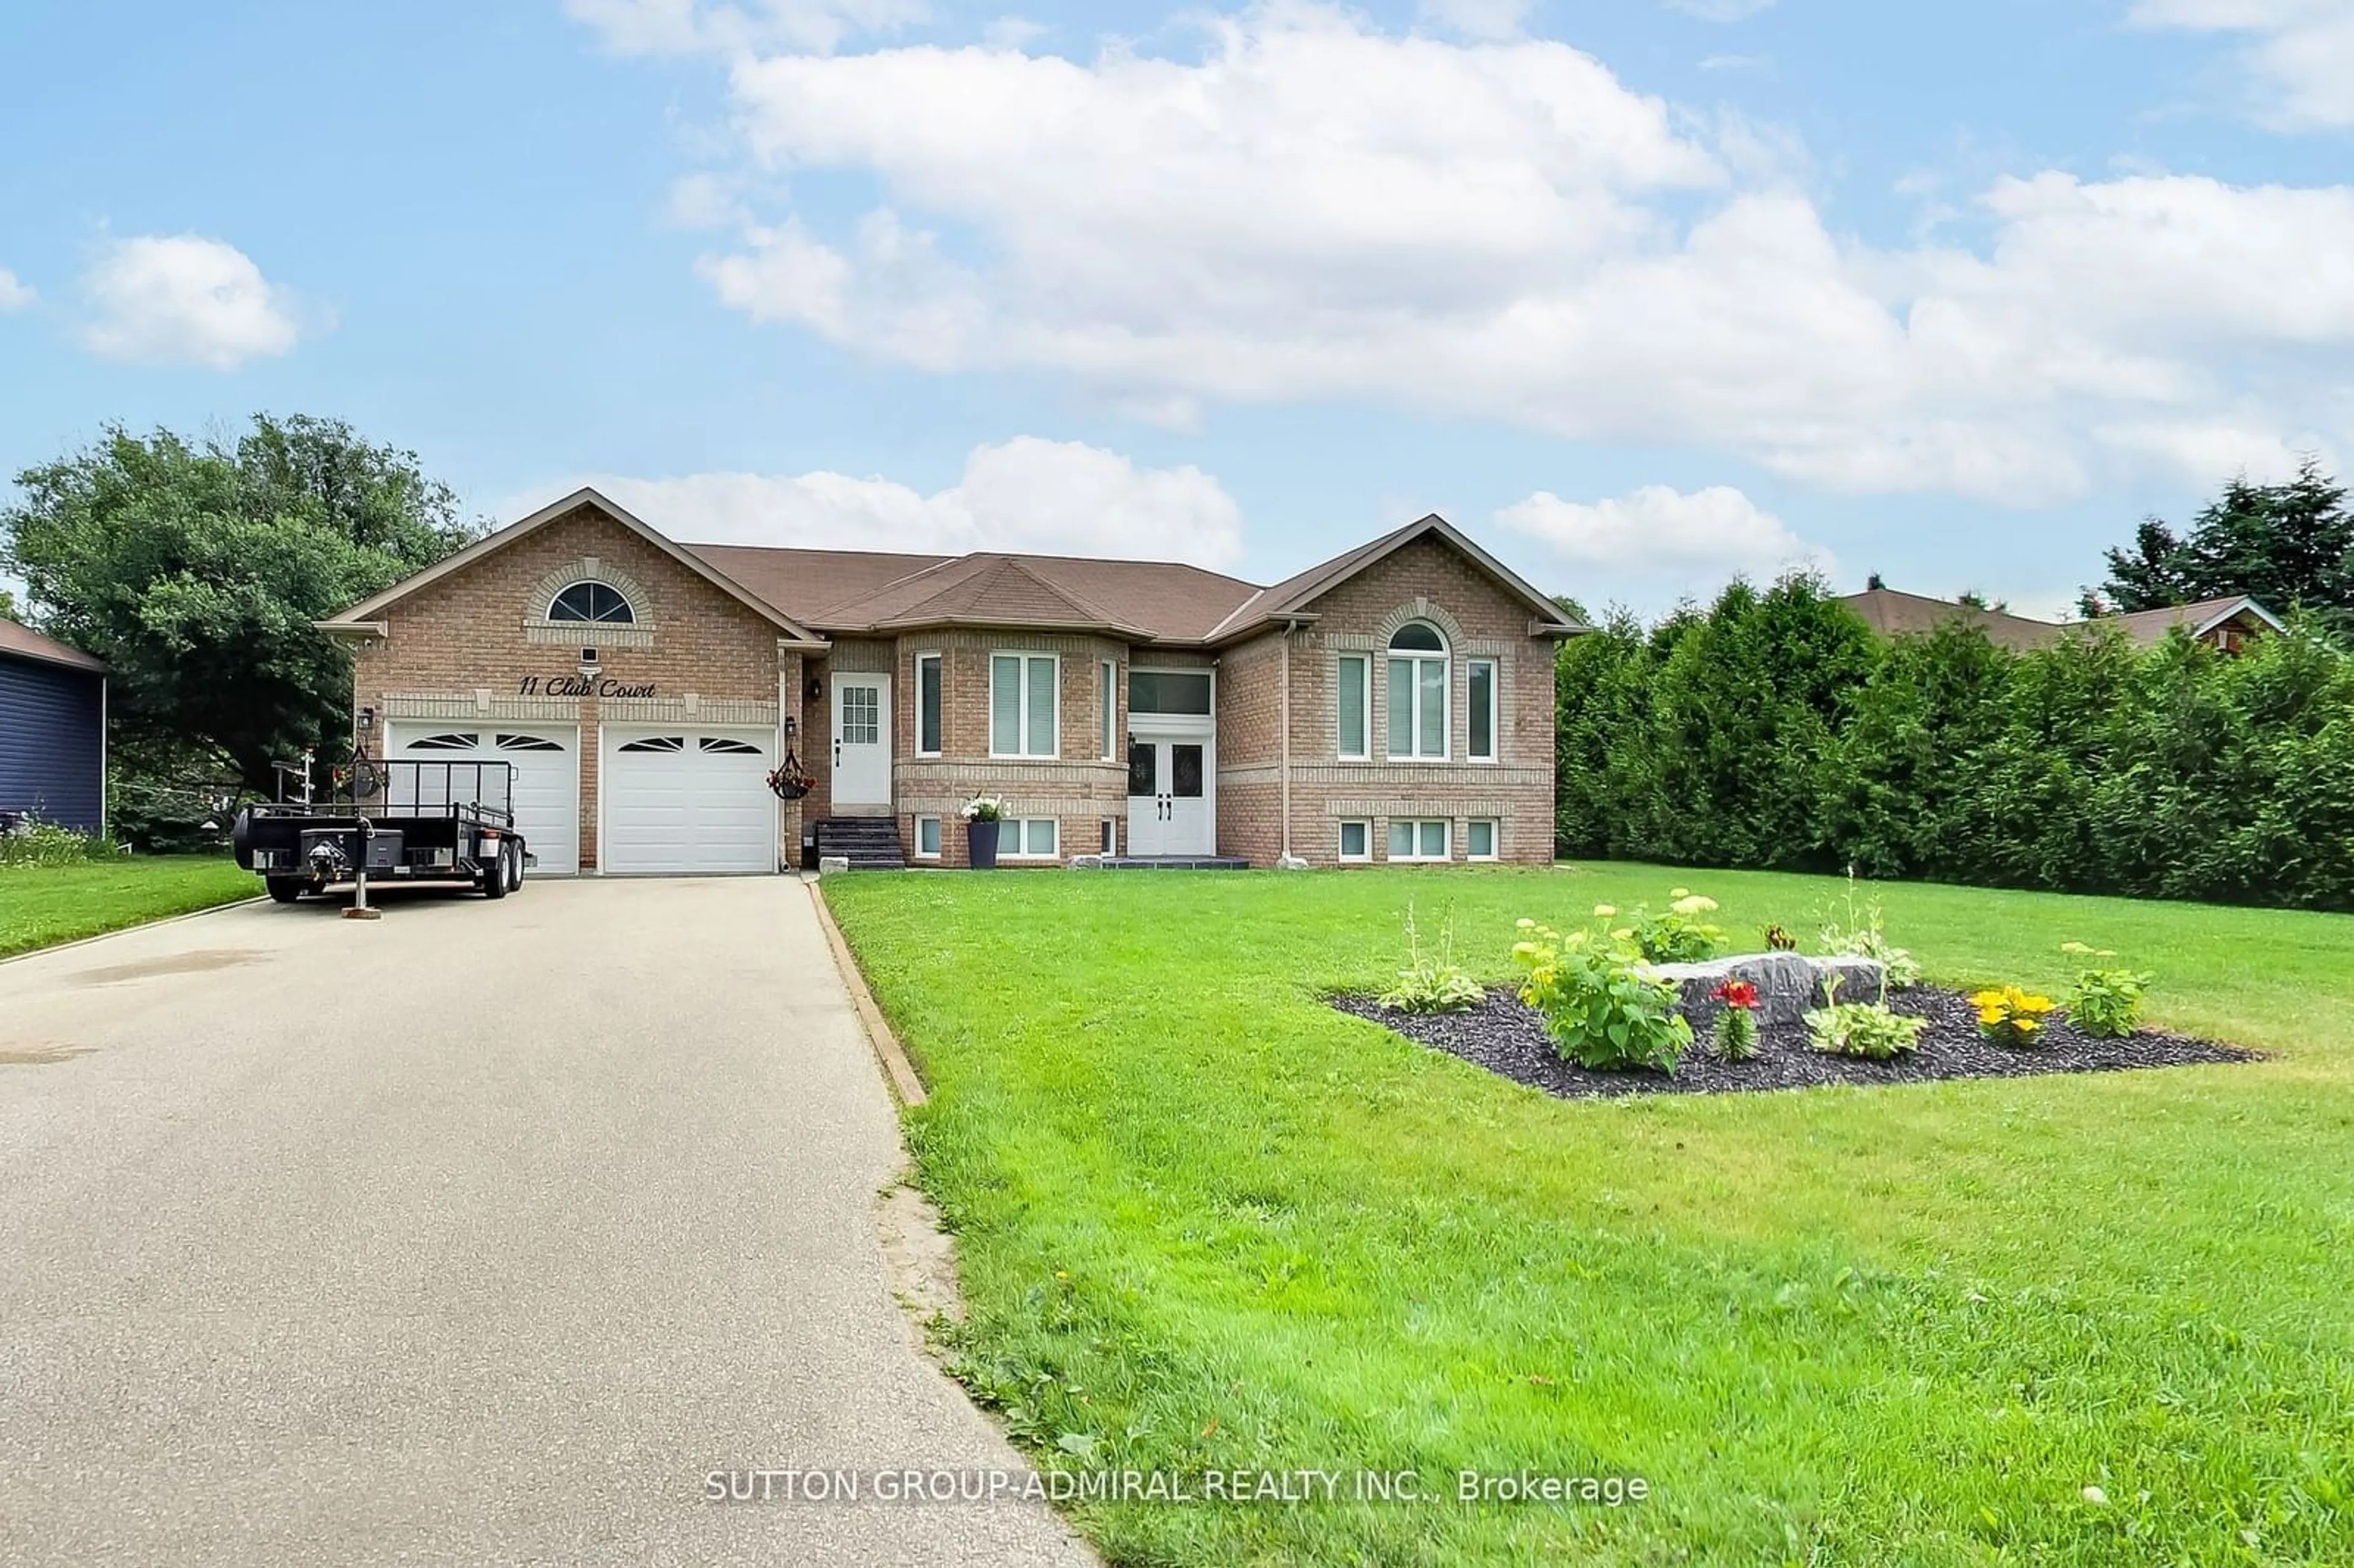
<point>862,739</point>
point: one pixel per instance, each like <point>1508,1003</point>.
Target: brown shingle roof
<point>830,591</point>
<point>27,643</point>
<point>2149,627</point>
<point>1894,614</point>
<point>851,590</point>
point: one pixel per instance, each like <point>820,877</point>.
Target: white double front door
<point>1172,793</point>
<point>862,739</point>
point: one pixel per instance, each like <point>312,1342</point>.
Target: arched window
<point>591,601</point>
<point>1418,692</point>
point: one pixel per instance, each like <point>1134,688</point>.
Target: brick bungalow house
<point>1393,703</point>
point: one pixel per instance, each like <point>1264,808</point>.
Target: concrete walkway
<point>480,1234</point>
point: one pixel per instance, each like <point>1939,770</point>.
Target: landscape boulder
<point>1787,983</point>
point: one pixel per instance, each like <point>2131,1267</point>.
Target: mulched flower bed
<point>1506,1036</point>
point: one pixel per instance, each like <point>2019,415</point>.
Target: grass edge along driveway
<point>42,905</point>
<point>1205,1221</point>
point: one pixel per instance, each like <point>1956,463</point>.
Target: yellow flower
<point>1985,999</point>
<point>1604,911</point>
<point>1693,904</point>
<point>1624,933</point>
<point>1990,1015</point>
<point>2025,1025</point>
<point>1680,893</point>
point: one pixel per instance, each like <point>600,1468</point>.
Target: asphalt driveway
<point>481,1233</point>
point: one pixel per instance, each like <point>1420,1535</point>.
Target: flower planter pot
<point>981,845</point>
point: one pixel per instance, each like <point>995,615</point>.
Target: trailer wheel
<point>494,876</point>
<point>515,869</point>
<point>285,889</point>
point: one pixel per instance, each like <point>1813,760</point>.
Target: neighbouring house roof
<point>1894,614</point>
<point>24,642</point>
<point>2148,627</point>
<point>813,593</point>
<point>1891,613</point>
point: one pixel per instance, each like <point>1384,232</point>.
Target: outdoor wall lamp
<point>367,718</point>
<point>588,665</point>
<point>792,726</point>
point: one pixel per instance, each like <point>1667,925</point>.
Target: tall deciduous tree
<point>2285,544</point>
<point>196,572</point>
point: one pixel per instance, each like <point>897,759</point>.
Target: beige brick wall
<point>1079,789</point>
<point>1426,580</point>
<point>471,636</point>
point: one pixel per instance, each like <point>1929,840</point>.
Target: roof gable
<point>1289,599</point>
<point>369,609</point>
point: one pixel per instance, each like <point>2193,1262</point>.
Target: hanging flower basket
<point>790,780</point>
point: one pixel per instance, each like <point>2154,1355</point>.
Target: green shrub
<point>1773,730</point>
<point>36,842</point>
<point>1603,1006</point>
<point>2104,1004</point>
<point>1431,983</point>
<point>1680,936</point>
<point>1870,1030</point>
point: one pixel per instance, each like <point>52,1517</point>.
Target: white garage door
<point>688,800</point>
<point>547,779</point>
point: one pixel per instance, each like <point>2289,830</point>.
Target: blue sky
<point>1642,294</point>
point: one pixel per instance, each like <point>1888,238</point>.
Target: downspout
<point>1284,723</point>
<point>1287,861</point>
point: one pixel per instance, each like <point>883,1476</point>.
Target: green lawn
<point>42,905</point>
<point>1207,1222</point>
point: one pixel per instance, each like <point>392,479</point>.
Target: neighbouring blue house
<point>52,730</point>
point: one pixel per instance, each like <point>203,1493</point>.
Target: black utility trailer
<point>411,821</point>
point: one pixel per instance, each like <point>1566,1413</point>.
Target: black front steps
<point>868,843</point>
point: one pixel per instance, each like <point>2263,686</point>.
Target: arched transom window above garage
<point>590,593</point>
<point>592,601</point>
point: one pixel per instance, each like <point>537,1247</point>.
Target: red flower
<point>1736,993</point>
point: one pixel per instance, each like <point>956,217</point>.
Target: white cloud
<point>1666,535</point>
<point>185,300</point>
<point>2301,53</point>
<point>1025,494</point>
<point>1484,19</point>
<point>1504,231</point>
<point>14,294</point>
<point>1718,10</point>
<point>695,26</point>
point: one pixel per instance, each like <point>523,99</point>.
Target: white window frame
<point>1364,753</point>
<point>1021,838</point>
<point>1445,659</point>
<point>1107,694</point>
<point>1022,699</point>
<point>1495,839</point>
<point>1341,840</point>
<point>1418,824</point>
<point>940,828</point>
<point>1495,709</point>
<point>921,660</point>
